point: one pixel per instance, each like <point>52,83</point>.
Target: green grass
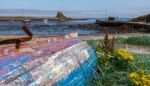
<point>135,40</point>
<point>139,40</point>
<point>94,43</point>
<point>121,40</point>
<point>109,75</point>
<point>143,61</point>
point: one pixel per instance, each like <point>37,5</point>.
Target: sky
<point>113,7</point>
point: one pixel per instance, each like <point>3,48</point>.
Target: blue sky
<point>112,6</point>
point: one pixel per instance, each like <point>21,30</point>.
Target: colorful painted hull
<point>67,62</point>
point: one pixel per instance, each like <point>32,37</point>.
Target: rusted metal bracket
<point>18,41</point>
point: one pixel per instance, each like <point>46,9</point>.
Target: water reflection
<point>49,28</point>
<point>41,28</point>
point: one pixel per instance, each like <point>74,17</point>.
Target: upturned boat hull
<point>65,62</point>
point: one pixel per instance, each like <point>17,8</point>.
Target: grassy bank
<point>135,40</point>
<point>114,69</point>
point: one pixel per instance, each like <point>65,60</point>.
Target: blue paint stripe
<point>79,76</point>
<point>13,66</point>
<point>7,61</point>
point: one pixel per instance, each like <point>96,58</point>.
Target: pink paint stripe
<point>48,50</point>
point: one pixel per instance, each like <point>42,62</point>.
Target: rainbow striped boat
<point>54,62</point>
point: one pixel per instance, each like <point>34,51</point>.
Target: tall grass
<point>135,40</point>
<point>94,43</point>
<point>139,40</point>
<point>109,75</point>
<point>121,40</point>
<point>142,62</point>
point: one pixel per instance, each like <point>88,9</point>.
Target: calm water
<point>50,28</point>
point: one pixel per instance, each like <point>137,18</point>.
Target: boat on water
<point>26,21</point>
<point>62,61</point>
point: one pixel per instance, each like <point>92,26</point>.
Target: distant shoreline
<point>31,18</point>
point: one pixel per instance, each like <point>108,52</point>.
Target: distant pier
<point>120,23</point>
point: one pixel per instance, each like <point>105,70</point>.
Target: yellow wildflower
<point>124,55</point>
<point>139,78</point>
<point>133,75</point>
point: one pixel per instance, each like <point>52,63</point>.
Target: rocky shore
<point>120,26</point>
<point>143,18</point>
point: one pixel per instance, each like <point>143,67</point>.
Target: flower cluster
<point>111,59</point>
<point>139,78</point>
<point>124,55</point>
